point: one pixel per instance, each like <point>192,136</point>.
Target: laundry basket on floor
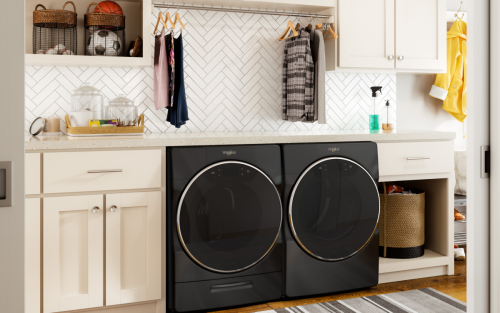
<point>401,225</point>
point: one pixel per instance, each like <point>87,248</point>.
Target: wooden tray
<point>104,131</point>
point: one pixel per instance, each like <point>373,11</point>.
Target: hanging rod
<point>220,9</point>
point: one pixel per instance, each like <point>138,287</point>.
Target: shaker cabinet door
<point>73,253</point>
<point>421,34</point>
<point>133,247</point>
<point>366,33</point>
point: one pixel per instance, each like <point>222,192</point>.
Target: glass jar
<point>87,103</point>
<point>123,110</point>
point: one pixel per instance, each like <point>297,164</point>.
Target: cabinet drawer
<point>415,158</point>
<point>101,170</point>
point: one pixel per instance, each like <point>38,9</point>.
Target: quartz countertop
<point>64,142</point>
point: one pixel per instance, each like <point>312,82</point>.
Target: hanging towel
<point>298,79</point>
<point>319,59</point>
<point>161,74</point>
<point>178,114</point>
<point>452,86</point>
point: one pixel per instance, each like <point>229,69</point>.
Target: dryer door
<point>334,209</point>
<point>229,217</point>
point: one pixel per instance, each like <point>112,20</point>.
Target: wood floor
<point>455,286</point>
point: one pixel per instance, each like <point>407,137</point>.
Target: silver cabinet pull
<point>96,209</point>
<point>113,208</point>
<point>414,159</point>
<point>104,171</point>
<point>391,57</point>
<point>401,58</point>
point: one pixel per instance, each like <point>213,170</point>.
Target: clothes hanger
<point>319,26</point>
<point>329,30</point>
<point>463,14</point>
<point>169,19</point>
<point>310,26</point>
<point>297,26</point>
<point>289,26</point>
<point>178,19</point>
<point>162,20</point>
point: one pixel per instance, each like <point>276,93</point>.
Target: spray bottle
<point>373,119</point>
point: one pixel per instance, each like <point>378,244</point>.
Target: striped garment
<point>298,79</point>
<point>426,300</point>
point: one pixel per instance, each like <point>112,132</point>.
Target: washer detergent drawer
<point>220,293</point>
<point>101,170</point>
<point>407,158</point>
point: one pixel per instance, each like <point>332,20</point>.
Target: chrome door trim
<point>291,203</point>
<point>179,208</point>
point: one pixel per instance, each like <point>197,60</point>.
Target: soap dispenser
<point>387,117</point>
<point>373,118</point>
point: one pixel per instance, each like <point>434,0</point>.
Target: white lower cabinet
<point>73,256</point>
<point>133,247</point>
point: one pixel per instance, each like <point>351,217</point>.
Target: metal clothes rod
<point>194,7</point>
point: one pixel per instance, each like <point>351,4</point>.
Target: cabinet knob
<point>401,58</point>
<point>113,208</point>
<point>391,57</point>
<point>96,209</point>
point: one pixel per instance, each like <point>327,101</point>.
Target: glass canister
<point>123,110</point>
<point>387,117</point>
<point>87,103</point>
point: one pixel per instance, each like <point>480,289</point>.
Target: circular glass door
<point>229,217</point>
<point>334,209</point>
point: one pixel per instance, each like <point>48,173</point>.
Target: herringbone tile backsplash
<point>233,80</point>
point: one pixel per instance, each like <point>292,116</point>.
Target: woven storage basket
<point>103,19</point>
<point>104,131</point>
<point>51,18</point>
<point>401,225</point>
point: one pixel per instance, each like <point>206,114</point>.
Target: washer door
<point>229,217</point>
<point>334,209</point>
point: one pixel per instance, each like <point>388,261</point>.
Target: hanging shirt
<point>161,73</point>
<point>178,114</point>
<point>298,79</point>
<point>452,86</point>
<point>319,59</point>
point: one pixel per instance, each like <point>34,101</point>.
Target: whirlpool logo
<point>228,153</point>
<point>334,149</point>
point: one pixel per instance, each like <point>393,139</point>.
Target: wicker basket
<point>104,33</point>
<point>54,31</point>
<point>104,131</point>
<point>51,18</point>
<point>402,225</point>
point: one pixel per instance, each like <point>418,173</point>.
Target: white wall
<point>418,110</point>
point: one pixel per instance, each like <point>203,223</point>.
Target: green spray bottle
<point>373,118</point>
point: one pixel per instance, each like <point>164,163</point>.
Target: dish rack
<point>104,131</point>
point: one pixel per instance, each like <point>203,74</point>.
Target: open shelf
<point>137,23</point>
<point>429,259</point>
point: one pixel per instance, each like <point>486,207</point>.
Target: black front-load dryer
<point>224,226</point>
<point>332,206</point>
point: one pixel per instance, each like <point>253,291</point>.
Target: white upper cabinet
<point>421,34</point>
<point>366,33</point>
<point>397,35</point>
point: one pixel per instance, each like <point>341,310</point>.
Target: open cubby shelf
<point>137,23</point>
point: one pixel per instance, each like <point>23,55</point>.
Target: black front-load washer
<point>224,226</point>
<point>332,206</point>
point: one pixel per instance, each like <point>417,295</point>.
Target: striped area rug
<point>425,300</point>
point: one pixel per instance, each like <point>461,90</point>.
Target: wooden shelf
<point>429,259</point>
<point>86,60</point>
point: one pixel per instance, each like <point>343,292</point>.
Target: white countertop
<point>64,142</point>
